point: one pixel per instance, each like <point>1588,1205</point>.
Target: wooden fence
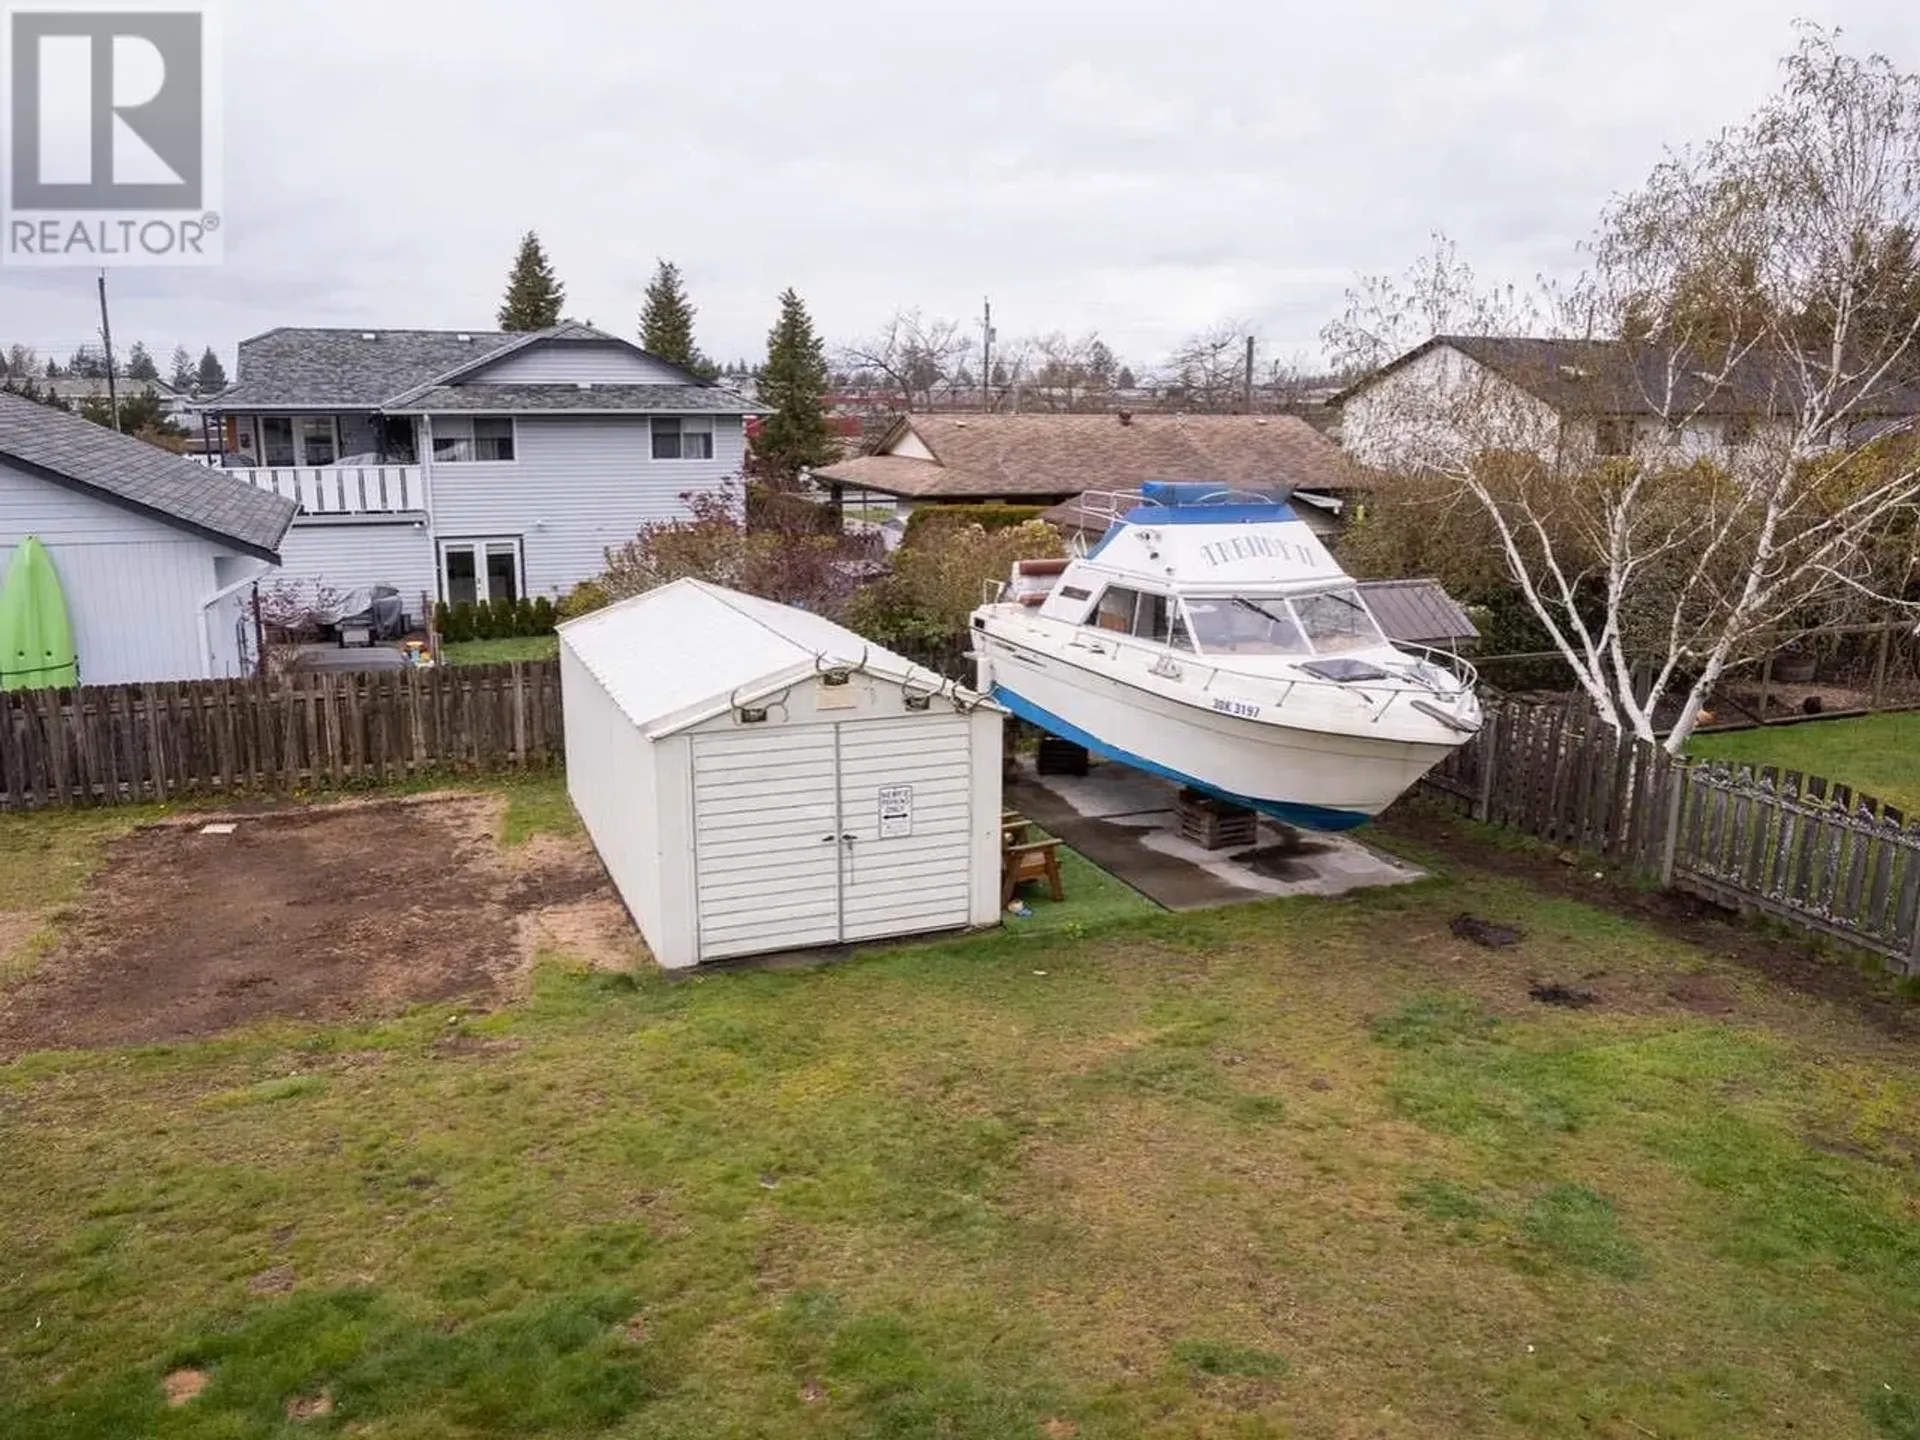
<point>1801,849</point>
<point>127,744</point>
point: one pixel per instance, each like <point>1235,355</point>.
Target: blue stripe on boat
<point>1309,817</point>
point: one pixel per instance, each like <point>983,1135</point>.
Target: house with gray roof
<point>470,465</point>
<point>157,557</point>
<point>1584,400</point>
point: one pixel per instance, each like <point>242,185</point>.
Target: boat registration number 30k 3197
<point>1237,707</point>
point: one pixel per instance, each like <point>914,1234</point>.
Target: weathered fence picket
<point>1802,849</point>
<point>125,744</point>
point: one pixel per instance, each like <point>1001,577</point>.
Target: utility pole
<point>106,339</point>
<point>986,357</point>
<point>1250,374</point>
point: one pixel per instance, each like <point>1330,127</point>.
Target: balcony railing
<point>342,490</point>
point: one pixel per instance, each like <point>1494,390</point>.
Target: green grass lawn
<point>501,652</point>
<point>1877,755</point>
<point>1291,1169</point>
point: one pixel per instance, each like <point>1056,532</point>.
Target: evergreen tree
<point>1125,378</point>
<point>534,296</point>
<point>88,362</point>
<point>666,323</point>
<point>211,377</point>
<point>140,364</point>
<point>796,436</point>
<point>181,377</point>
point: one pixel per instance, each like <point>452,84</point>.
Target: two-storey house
<point>470,465</point>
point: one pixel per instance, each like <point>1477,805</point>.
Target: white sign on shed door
<point>896,812</point>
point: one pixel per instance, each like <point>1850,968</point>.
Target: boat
<point>1209,637</point>
<point>36,638</point>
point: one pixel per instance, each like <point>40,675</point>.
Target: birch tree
<point>1742,351</point>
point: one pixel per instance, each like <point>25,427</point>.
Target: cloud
<point>1130,166</point>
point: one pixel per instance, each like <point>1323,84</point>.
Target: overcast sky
<point>1140,169</point>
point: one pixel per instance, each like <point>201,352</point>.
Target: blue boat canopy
<point>1204,502</point>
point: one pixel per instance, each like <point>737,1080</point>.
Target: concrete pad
<point>1128,824</point>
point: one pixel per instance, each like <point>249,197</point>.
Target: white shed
<point>759,779</point>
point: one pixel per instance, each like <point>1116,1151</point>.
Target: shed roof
<point>134,475</point>
<point>1417,612</point>
<point>688,651</point>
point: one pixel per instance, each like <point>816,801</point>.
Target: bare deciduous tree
<point>1208,372</point>
<point>1742,467</point>
<point>1069,372</point>
<point>916,355</point>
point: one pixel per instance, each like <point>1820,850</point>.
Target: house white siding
<point>577,362</point>
<point>134,585</point>
<point>911,446</point>
<point>577,486</point>
<point>347,555</point>
<point>1443,404</point>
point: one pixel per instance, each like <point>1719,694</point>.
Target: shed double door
<point>827,834</point>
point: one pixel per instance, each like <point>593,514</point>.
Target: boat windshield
<point>1337,622</point>
<point>1333,622</point>
<point>1235,625</point>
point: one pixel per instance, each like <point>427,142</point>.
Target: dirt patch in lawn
<point>1794,967</point>
<point>317,914</point>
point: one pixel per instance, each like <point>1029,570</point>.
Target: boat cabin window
<point>1115,610</point>
<point>1235,625</point>
<point>1337,621</point>
<point>1145,616</point>
<point>1158,619</point>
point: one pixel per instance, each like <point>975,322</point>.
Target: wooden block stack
<point>1215,825</point>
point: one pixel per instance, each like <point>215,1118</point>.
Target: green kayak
<point>36,642</point>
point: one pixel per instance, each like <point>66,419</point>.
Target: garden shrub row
<point>493,619</point>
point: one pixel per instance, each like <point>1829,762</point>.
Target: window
<point>475,570</point>
<point>1158,618</point>
<point>317,445</point>
<point>1115,610</point>
<point>1613,435</point>
<point>686,437</point>
<point>276,440</point>
<point>1337,622</point>
<point>1236,625</point>
<point>458,439</point>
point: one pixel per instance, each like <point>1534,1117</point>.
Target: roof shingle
<point>143,477</point>
<point>639,399</point>
<point>1061,455</point>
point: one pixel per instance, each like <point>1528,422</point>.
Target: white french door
<point>485,569</point>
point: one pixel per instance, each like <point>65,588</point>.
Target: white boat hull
<point>1317,779</point>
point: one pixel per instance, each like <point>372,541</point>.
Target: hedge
<point>988,517</point>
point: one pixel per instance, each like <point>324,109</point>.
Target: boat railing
<point>1113,506</point>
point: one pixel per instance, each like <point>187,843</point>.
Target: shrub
<point>460,626</point>
<point>442,618</point>
<point>585,598</point>
<point>929,519</point>
<point>482,620</point>
<point>543,616</point>
<point>505,616</point>
<point>523,617</point>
